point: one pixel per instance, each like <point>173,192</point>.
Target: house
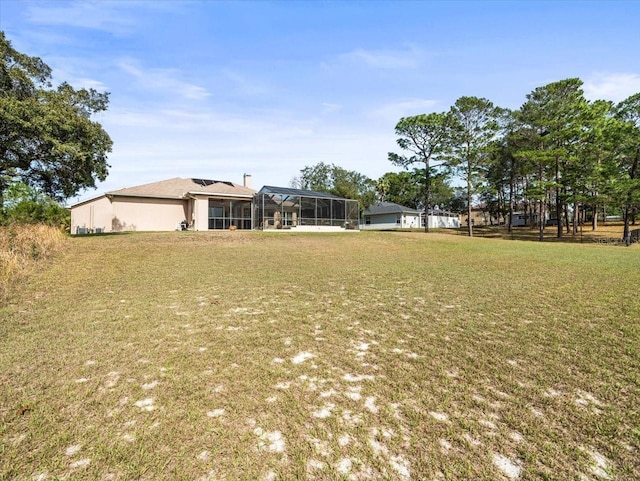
<point>303,210</point>
<point>200,204</point>
<point>387,215</point>
<point>203,204</point>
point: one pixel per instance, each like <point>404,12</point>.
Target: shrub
<point>24,204</point>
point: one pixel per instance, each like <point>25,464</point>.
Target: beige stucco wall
<point>94,214</point>
<point>144,214</point>
<point>126,213</point>
<point>201,213</point>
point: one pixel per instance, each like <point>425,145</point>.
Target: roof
<point>178,188</point>
<point>388,208</point>
<point>270,189</point>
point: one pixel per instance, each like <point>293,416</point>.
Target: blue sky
<point>216,89</point>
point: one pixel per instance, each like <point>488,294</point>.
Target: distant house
<point>387,215</point>
<point>523,219</point>
<point>199,204</point>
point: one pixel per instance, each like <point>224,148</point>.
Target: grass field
<point>255,356</point>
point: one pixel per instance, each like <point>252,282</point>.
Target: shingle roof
<point>388,208</point>
<point>178,188</point>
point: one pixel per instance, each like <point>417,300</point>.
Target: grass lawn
<point>371,355</point>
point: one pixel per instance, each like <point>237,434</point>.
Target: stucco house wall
<point>91,215</point>
<point>201,213</point>
<point>388,215</point>
<point>120,214</point>
<point>382,221</point>
<point>390,221</point>
<point>145,214</point>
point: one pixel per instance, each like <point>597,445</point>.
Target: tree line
<point>559,156</point>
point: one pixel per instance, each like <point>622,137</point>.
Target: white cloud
<point>164,80</point>
<point>386,59</point>
<point>87,83</point>
<point>613,86</point>
<point>244,85</point>
<point>329,108</point>
<point>104,15</point>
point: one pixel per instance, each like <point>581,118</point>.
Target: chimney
<point>247,181</point>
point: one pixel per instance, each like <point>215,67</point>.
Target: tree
<point>475,124</point>
<point>424,137</point>
<point>557,113</point>
<point>596,166</point>
<point>47,139</point>
<point>316,177</point>
<point>337,181</point>
<point>628,111</point>
<point>407,188</point>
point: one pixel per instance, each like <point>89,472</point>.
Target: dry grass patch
<point>22,247</point>
<point>245,355</point>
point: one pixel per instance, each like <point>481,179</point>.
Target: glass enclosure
<point>284,208</point>
<point>226,213</point>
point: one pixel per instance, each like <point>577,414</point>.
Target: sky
<point>218,89</point>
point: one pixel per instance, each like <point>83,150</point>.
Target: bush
<point>25,205</point>
<point>29,212</point>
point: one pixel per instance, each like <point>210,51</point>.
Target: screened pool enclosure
<point>285,208</point>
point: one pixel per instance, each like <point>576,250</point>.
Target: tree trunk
<point>511,189</point>
<point>541,221</point>
<point>470,220</point>
<point>427,187</point>
<point>594,221</point>
<point>625,232</point>
<point>558,200</point>
<point>632,175</point>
